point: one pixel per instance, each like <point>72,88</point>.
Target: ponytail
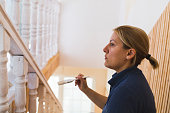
<point>152,61</point>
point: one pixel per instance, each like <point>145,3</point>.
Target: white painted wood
<point>53,32</point>
<point>11,94</point>
<point>47,38</point>
<point>25,21</point>
<point>24,51</point>
<point>43,36</point>
<point>4,48</point>
<point>49,30</point>
<point>34,26</point>
<point>15,14</point>
<point>20,69</point>
<point>55,26</point>
<point>39,35</point>
<point>33,83</point>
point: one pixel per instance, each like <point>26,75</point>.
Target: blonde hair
<point>136,38</point>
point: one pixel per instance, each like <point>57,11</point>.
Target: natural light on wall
<point>73,101</point>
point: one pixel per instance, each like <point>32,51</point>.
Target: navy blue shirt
<point>129,93</point>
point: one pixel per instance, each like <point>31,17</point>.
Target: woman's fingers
<point>78,80</point>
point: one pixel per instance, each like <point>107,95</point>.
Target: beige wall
<point>99,76</point>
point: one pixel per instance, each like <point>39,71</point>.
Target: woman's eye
<point>111,44</point>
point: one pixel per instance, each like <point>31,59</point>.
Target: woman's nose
<point>105,49</point>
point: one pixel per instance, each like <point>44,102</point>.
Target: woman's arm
<point>97,98</point>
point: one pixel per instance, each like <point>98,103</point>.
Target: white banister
<point>39,36</point>
<point>43,33</point>
<point>4,48</point>
<point>46,38</point>
<point>55,26</point>
<point>25,22</point>
<point>34,19</point>
<point>50,31</point>
<point>30,21</point>
<point>15,14</point>
<point>20,69</point>
<point>48,47</point>
<point>33,83</point>
<point>11,94</point>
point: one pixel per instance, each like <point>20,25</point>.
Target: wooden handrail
<point>18,48</point>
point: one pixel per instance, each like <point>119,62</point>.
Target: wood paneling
<point>159,79</point>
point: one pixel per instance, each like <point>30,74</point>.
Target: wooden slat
<point>159,79</point>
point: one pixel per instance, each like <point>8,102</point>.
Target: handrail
<point>21,49</point>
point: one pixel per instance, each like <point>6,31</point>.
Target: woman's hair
<point>136,38</point>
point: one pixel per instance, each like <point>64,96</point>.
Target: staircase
<point>28,50</point>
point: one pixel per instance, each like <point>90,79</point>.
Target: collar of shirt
<point>117,77</point>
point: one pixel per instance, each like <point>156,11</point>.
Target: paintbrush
<point>69,80</point>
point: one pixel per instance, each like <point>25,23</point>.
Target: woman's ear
<point>131,53</point>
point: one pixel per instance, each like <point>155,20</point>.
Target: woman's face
<point>115,54</point>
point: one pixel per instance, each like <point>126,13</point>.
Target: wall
<point>86,27</point>
<point>141,13</point>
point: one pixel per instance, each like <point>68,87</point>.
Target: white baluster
<point>15,14</point>
<point>43,34</point>
<point>20,69</point>
<point>8,6</point>
<point>42,95</point>
<point>53,31</point>
<point>39,36</point>
<point>34,18</point>
<point>50,31</point>
<point>25,22</point>
<point>44,41</point>
<point>33,83</point>
<point>4,48</point>
<point>56,23</point>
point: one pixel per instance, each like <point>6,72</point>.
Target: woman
<point>129,89</point>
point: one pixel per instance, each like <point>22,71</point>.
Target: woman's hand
<point>81,82</point>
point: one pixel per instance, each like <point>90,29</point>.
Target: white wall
<point>86,26</point>
<point>141,13</point>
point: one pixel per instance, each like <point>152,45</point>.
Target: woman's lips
<point>105,58</point>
